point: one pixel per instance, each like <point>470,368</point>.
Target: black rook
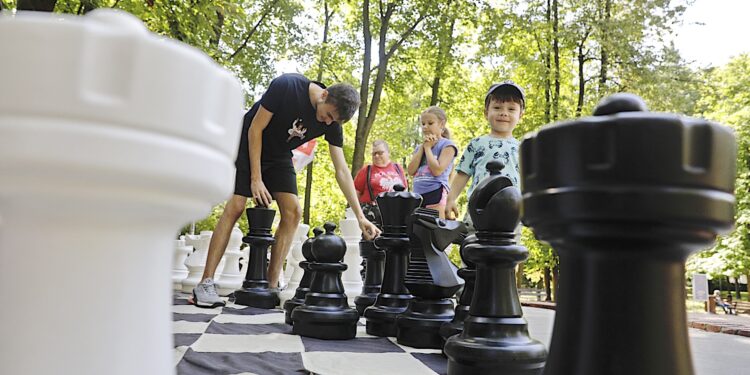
<point>625,196</point>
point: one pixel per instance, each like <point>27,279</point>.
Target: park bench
<point>537,293</point>
<point>741,307</point>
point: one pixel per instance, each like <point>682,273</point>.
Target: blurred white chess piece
<point>351,234</point>
<point>231,279</point>
<point>292,273</point>
<point>179,270</point>
<point>111,139</point>
<point>196,263</point>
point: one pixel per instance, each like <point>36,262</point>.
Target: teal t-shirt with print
<point>482,150</point>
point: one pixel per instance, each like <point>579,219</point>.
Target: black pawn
<point>395,208</point>
<point>625,197</point>
<point>307,276</point>
<point>495,339</point>
<point>374,260</point>
<point>468,273</point>
<point>326,313</point>
<point>431,278</point>
<point>255,291</point>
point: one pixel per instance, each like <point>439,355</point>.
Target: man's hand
<point>451,210</point>
<point>369,230</point>
<point>260,193</point>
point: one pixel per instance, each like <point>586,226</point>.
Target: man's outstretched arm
<point>346,184</point>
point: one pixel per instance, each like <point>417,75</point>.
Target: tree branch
<point>405,35</point>
<point>253,30</point>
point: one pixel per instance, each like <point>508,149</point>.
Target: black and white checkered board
<point>243,340</point>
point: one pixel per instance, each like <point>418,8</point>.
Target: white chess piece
<point>351,234</point>
<point>231,279</point>
<point>196,263</point>
<point>179,270</point>
<point>111,139</point>
<point>292,273</point>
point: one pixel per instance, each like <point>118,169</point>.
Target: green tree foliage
<point>725,99</point>
<point>407,55</point>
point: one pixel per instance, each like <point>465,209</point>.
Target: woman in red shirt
<point>379,177</point>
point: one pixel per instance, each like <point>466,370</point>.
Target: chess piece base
<point>256,297</point>
<point>289,307</point>
<point>381,320</point>
<point>495,346</point>
<point>325,323</point>
<point>419,326</point>
<point>364,301</point>
<point>456,325</point>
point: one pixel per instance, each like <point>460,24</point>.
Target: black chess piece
<point>326,313</point>
<point>431,278</point>
<point>395,208</point>
<point>255,291</point>
<point>307,276</point>
<point>624,197</point>
<point>468,273</point>
<point>495,339</point>
<point>374,260</point>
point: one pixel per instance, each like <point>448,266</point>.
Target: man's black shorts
<point>278,178</point>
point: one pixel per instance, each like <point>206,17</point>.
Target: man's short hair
<point>506,91</point>
<point>345,98</point>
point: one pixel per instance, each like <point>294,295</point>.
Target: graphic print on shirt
<point>298,130</point>
<point>388,181</point>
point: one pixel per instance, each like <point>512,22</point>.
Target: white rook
<point>111,139</point>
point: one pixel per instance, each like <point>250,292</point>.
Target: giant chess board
<point>244,340</point>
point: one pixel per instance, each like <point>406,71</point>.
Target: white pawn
<point>351,234</point>
<point>293,273</point>
<point>196,263</point>
<point>179,270</point>
<point>231,279</point>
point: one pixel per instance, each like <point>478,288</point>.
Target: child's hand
<point>429,140</point>
<point>451,210</point>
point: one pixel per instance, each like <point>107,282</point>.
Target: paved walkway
<point>719,323</point>
<point>712,352</point>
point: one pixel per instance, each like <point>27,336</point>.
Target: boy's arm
<point>457,186</point>
<point>344,179</point>
<point>255,145</point>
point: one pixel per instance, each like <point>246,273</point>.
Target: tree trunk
<point>555,280</point>
<point>581,79</point>
<point>367,115</point>
<point>737,288</point>
<point>519,275</point>
<point>556,51</point>
<point>547,73</point>
<point>218,29</point>
<point>321,67</point>
<point>364,90</point>
<point>444,48</point>
<point>604,46</point>
<point>547,286</point>
<point>37,5</point>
